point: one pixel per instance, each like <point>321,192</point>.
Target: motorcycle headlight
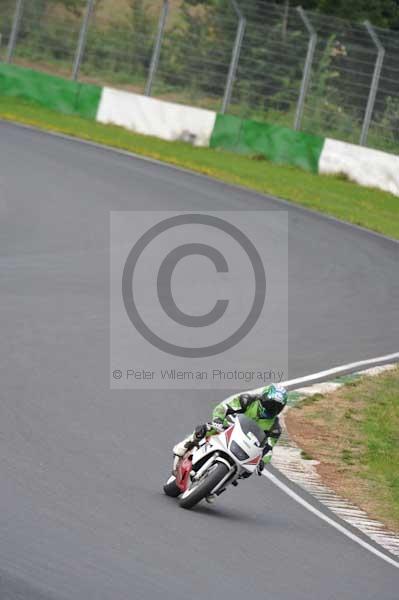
<point>238,451</point>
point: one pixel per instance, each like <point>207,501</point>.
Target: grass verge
<point>334,196</point>
<point>354,433</point>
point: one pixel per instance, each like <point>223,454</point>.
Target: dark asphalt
<point>81,467</point>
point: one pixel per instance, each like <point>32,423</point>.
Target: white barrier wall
<point>363,165</point>
<point>171,121</point>
<point>161,119</point>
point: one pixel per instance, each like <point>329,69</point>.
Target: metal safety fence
<point>253,59</point>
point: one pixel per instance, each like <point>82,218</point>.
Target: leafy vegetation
<point>384,13</point>
<point>197,49</point>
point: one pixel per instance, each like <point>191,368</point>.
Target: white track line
<point>285,488</point>
<point>328,520</point>
<point>341,369</point>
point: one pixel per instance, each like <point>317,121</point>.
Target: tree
<point>382,13</point>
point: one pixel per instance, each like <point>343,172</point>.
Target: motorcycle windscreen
<point>249,426</point>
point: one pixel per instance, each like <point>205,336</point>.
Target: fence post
<point>82,39</point>
<point>157,48</point>
<point>234,57</point>
<point>374,83</point>
<point>307,68</point>
<point>12,42</point>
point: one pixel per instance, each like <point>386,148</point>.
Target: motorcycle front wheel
<point>204,487</point>
<point>171,488</point>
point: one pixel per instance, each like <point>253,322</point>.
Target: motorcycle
<point>217,461</point>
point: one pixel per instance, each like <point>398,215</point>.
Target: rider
<point>262,407</point>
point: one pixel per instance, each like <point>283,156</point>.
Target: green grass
<point>369,208</point>
<point>308,401</point>
<point>380,428</point>
<point>306,455</point>
<point>354,433</point>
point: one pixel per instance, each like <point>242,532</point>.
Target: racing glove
<point>201,430</point>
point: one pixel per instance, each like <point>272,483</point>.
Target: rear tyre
<point>205,487</point>
<point>171,489</point>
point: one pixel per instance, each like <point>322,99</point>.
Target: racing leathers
<point>249,404</point>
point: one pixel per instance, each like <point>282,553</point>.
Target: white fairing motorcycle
<point>218,461</point>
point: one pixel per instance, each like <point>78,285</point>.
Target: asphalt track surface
<point>81,467</point>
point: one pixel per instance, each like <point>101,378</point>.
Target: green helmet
<point>273,400</point>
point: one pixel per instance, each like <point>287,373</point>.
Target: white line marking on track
<point>341,369</point>
<point>328,520</point>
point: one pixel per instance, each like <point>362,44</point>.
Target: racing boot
<point>189,442</point>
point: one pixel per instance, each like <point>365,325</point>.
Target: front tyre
<point>171,488</point>
<point>205,486</point>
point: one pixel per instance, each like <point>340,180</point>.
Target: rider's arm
<point>237,404</point>
<point>273,436</point>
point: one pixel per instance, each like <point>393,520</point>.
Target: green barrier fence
<point>278,144</point>
<point>53,92</point>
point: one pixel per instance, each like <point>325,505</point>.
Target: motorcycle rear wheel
<point>205,487</point>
